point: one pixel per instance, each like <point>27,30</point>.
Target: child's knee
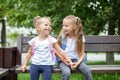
<point>66,73</point>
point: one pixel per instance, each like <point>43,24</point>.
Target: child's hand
<point>69,62</point>
<point>74,66</point>
<point>23,68</point>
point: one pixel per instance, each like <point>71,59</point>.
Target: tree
<point>95,14</point>
<point>114,21</point>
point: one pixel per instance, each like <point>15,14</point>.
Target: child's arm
<point>28,56</point>
<point>61,58</point>
<point>61,52</point>
<point>81,55</point>
<point>80,59</point>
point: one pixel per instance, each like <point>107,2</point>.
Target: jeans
<point>46,71</point>
<point>83,68</point>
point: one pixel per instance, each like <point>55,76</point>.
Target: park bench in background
<point>93,43</point>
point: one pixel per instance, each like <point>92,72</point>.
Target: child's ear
<point>74,27</point>
<point>38,28</point>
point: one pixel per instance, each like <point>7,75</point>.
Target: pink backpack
<point>51,47</point>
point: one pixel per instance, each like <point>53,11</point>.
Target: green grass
<point>75,76</point>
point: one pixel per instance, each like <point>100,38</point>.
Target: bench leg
<point>10,77</point>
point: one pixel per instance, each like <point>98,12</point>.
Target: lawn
<point>75,76</point>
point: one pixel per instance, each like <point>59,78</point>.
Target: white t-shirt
<point>70,48</point>
<point>42,54</point>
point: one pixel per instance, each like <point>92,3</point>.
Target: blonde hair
<point>37,20</point>
<point>78,32</point>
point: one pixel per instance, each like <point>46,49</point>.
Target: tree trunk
<point>110,58</point>
<point>3,34</point>
<point>119,25</point>
<point>111,31</point>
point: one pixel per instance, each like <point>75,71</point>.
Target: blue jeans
<point>46,71</point>
<point>83,68</point>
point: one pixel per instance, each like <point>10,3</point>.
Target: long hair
<point>78,32</point>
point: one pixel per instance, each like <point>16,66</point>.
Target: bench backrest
<point>93,43</point>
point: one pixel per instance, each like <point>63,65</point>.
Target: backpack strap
<point>51,48</point>
<point>33,45</point>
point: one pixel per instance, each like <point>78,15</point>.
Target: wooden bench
<point>3,72</point>
<point>93,43</point>
<point>94,68</point>
<point>9,58</point>
<point>12,56</point>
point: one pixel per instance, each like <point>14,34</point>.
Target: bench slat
<point>93,39</point>
<point>94,68</point>
<point>89,39</point>
<point>94,43</point>
<point>102,47</point>
<point>91,48</point>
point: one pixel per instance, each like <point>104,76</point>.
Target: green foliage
<point>94,13</point>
